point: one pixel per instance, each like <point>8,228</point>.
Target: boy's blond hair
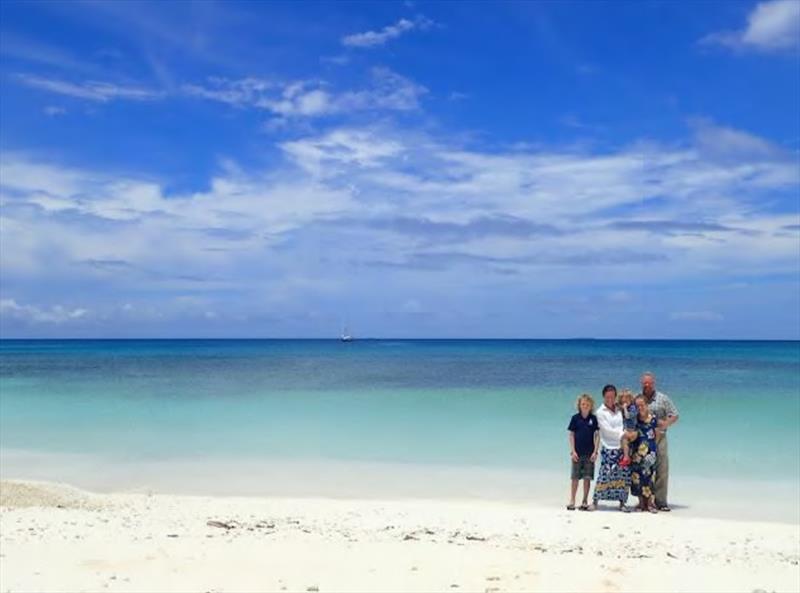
<point>627,392</point>
<point>584,396</point>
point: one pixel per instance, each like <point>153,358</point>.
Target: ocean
<point>120,408</point>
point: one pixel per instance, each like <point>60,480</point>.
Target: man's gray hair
<point>650,374</point>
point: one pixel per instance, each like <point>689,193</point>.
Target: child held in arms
<point>584,441</point>
<point>629,419</point>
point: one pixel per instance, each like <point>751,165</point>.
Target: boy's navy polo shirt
<point>584,429</point>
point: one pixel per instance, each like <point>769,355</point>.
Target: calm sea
<point>485,403</point>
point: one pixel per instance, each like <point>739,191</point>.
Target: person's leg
<point>586,485</point>
<point>661,482</point>
<point>573,488</point>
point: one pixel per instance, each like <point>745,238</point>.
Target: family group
<point>629,435</point>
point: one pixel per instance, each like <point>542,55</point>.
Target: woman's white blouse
<point>611,428</point>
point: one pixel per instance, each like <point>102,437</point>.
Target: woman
<point>613,480</point>
<point>643,459</point>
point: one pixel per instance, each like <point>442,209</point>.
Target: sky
<point>407,169</point>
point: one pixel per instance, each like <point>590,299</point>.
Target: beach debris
<point>671,555</point>
<point>454,586</point>
<point>409,536</point>
<point>491,589</point>
<point>578,549</point>
<point>475,538</point>
<point>221,524</point>
<point>492,578</point>
<point>312,588</point>
<point>414,569</point>
<point>172,535</point>
<point>265,525</point>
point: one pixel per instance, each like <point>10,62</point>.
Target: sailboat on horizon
<point>346,336</point>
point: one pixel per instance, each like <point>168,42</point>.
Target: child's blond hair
<point>584,396</point>
<point>625,392</point>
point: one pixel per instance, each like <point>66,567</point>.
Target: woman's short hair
<point>587,397</point>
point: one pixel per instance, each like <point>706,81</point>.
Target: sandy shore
<point>56,538</point>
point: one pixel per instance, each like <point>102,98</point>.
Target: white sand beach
<point>57,538</point>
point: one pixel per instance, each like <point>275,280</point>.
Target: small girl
<point>629,419</point>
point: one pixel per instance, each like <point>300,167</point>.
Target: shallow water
<point>492,404</point>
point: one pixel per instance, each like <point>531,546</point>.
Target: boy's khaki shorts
<point>583,469</point>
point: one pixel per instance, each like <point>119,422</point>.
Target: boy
<point>584,441</point>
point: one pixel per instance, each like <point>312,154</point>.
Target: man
<point>666,413</point>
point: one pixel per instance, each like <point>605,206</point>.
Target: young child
<point>629,418</point>
<point>584,440</point>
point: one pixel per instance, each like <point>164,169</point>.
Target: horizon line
<point>407,339</point>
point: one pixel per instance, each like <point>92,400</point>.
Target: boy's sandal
<point>584,507</point>
<point>652,508</point>
<point>570,507</point>
<point>664,508</point>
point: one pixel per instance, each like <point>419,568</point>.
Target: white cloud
<point>771,26</point>
<point>242,92</point>
<point>324,155</point>
<point>724,141</point>
<point>388,91</point>
<point>101,92</point>
<point>54,111</point>
<point>377,38</point>
<point>55,314</point>
<point>344,206</point>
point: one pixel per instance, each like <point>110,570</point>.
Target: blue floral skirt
<point>613,481</point>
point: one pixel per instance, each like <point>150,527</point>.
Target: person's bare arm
<point>572,453</point>
<point>596,445</point>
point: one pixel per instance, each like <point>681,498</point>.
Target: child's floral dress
<point>643,459</point>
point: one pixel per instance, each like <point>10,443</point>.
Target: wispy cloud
<point>101,92</point>
<point>771,27</point>
<point>53,111</point>
<point>387,91</point>
<point>675,227</point>
<point>313,98</point>
<point>377,198</point>
<point>441,232</point>
<point>389,32</point>
<point>35,314</point>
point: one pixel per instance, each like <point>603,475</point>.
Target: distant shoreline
<point>368,339</point>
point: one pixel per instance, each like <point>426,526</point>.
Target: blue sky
<point>412,169</point>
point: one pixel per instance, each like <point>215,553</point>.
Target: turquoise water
<point>502,404</point>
